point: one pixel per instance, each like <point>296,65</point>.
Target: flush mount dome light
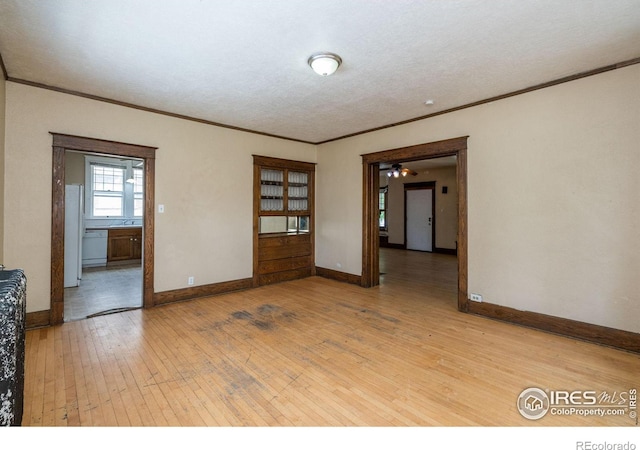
<point>324,63</point>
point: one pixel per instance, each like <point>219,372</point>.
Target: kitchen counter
<point>104,244</point>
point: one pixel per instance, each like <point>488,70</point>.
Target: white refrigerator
<point>73,233</point>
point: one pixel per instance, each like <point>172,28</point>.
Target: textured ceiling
<point>244,63</point>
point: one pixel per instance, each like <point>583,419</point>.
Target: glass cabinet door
<point>297,191</point>
<point>271,190</point>
<point>285,193</point>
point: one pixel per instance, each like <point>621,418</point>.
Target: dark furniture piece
<point>13,288</point>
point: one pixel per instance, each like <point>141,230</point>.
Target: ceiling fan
<point>397,170</point>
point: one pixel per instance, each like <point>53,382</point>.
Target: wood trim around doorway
<point>370,239</point>
<point>63,142</point>
<point>620,339</point>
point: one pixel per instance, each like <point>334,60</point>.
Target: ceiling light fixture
<point>393,173</point>
<point>130,178</point>
<point>397,170</point>
<point>324,63</point>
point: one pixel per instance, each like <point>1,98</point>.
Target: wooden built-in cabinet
<point>124,244</point>
<point>283,220</point>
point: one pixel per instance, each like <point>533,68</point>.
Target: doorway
<point>63,143</point>
<point>103,243</point>
<point>370,234</point>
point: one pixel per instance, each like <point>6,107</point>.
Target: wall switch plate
<point>160,208</point>
<point>190,281</point>
<point>475,297</point>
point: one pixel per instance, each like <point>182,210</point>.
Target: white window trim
<point>384,190</point>
<point>128,194</point>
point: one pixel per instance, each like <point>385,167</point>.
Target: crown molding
<point>147,109</point>
<point>497,97</point>
<point>395,124</point>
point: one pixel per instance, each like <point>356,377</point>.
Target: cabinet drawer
<point>285,251</point>
<point>278,241</point>
<point>117,232</point>
<point>282,265</point>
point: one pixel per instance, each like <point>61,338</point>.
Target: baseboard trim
<point>207,290</point>
<point>41,319</point>
<point>446,251</point>
<point>338,276</point>
<point>611,337</point>
<point>392,245</point>
<point>38,319</point>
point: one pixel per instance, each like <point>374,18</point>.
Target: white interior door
<point>419,220</point>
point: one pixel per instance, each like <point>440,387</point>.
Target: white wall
<point>553,197</point>
<point>204,177</point>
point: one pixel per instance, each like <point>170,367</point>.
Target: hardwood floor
<point>313,352</point>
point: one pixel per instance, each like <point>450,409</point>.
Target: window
<point>382,206</point>
<point>107,188</point>
<point>115,188</point>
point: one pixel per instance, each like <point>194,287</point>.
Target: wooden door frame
<point>63,142</point>
<point>431,185</point>
<point>370,188</point>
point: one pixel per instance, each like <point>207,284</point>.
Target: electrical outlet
<point>475,297</point>
<point>190,281</point>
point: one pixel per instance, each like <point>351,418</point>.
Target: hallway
<point>421,272</point>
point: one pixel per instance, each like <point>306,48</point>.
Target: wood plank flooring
<point>313,352</point>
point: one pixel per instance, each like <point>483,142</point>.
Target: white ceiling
<point>244,63</point>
